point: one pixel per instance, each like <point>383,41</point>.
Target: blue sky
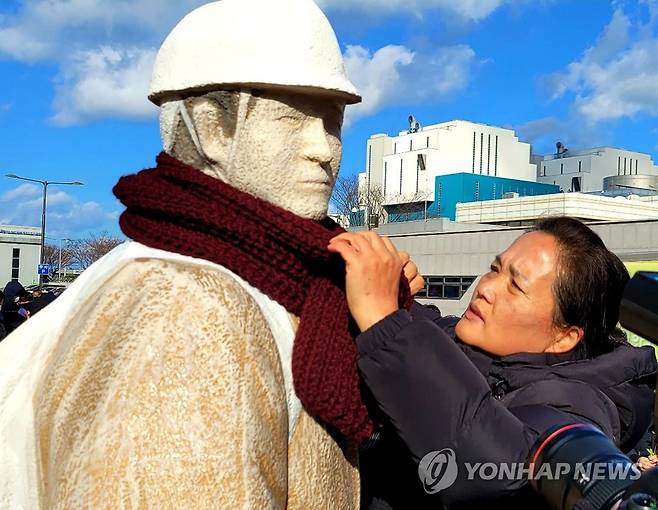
<point>75,73</point>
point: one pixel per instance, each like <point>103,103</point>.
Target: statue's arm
<point>171,397</point>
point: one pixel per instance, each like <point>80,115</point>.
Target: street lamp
<point>45,185</point>
<point>59,265</point>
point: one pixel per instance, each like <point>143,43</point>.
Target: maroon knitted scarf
<point>178,208</point>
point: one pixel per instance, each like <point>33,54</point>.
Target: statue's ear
<point>214,126</point>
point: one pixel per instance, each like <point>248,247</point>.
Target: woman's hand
<point>372,281</point>
<point>416,281</point>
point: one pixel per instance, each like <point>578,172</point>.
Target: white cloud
<point>109,82</point>
<point>44,29</point>
<point>544,133</point>
<point>66,215</point>
<point>539,128</point>
<point>104,50</point>
<point>473,10</point>
<point>396,75</point>
<point>22,192</point>
<point>615,77</point>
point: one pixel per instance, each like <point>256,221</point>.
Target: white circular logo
<point>438,470</point>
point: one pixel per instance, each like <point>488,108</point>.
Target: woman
<point>537,346</point>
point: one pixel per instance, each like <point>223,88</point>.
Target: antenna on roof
<point>561,150</point>
<point>414,125</point>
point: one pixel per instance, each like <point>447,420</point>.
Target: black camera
<point>577,466</point>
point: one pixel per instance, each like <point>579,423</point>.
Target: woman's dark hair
<point>588,286</point>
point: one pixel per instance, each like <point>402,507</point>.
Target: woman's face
<point>513,306</point>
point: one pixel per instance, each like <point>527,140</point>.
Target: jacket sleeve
<point>435,398</point>
<point>168,395</point>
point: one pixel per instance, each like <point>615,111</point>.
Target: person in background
<point>12,294</point>
<point>537,347</point>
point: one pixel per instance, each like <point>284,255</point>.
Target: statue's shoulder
<point>180,280</point>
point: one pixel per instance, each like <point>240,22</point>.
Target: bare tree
<point>353,202</point>
<point>51,256</point>
<point>87,251</point>
<point>372,199</point>
<point>345,197</point>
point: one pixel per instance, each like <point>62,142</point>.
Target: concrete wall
<point>470,252</point>
<point>578,205</point>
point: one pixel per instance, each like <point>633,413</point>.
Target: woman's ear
<point>565,339</point>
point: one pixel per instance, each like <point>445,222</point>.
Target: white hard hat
<point>255,44</point>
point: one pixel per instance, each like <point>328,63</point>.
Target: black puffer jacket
<point>432,392</point>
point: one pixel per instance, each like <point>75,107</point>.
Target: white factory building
<point>20,248</point>
<point>411,168</point>
<point>405,166</point>
<point>585,170</point>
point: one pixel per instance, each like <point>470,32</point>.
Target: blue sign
<point>43,269</point>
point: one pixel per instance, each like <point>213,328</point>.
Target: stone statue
<point>207,363</point>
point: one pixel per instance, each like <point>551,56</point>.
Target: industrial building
<point>585,170</point>
<point>472,172</point>
<point>20,249</point>
<point>405,167</point>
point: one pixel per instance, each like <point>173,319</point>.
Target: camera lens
<point>579,462</point>
<point>640,502</point>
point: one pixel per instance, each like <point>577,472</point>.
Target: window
<point>15,263</point>
<point>575,184</point>
<point>488,153</point>
<point>401,177</point>
<point>385,175</point>
<point>422,161</point>
<point>624,166</point>
<point>428,142</point>
<point>473,169</point>
<point>496,157</point>
<point>618,165</point>
<point>395,148</point>
<point>481,150</point>
<point>369,159</point>
<point>411,145</point>
<point>544,170</point>
<point>580,166</point>
<point>561,168</point>
<point>446,287</point>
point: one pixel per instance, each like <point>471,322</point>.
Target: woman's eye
<point>493,269</point>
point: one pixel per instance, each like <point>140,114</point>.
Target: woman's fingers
<point>372,275</point>
<point>355,239</point>
<point>343,248</point>
<point>416,284</point>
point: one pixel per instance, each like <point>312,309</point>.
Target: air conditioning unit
<point>511,194</point>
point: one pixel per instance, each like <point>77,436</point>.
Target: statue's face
<point>286,152</point>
